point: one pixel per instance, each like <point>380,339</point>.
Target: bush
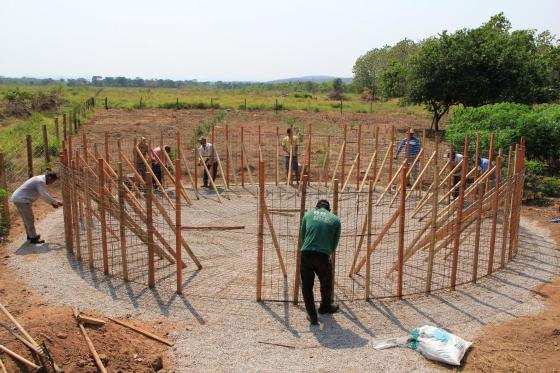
<point>303,95</point>
<point>539,125</point>
<point>22,103</point>
<point>551,186</point>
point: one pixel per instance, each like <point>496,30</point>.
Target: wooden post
<point>391,154</point>
<point>46,147</point>
<point>66,200</point>
<point>4,185</point>
<point>368,242</point>
<point>102,214</point>
<point>335,211</point>
<point>195,172</point>
<point>359,156</point>
<point>277,174</point>
<point>106,147</point>
<point>56,129</point>
<point>178,234</point>
<point>308,155</point>
<point>29,145</point>
<point>260,232</point>
<point>495,203</point>
<point>327,161</point>
<point>242,153</point>
<point>460,206</point>
<point>75,207</point>
<point>479,211</point>
<point>343,164</point>
<point>122,231</point>
<point>435,198</point>
<point>64,127</point>
<point>228,166</point>
<point>400,252</point>
<point>508,201</point>
<point>150,228</point>
<point>297,279</point>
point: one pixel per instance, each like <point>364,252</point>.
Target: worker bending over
<point>290,143</point>
<point>319,235</point>
<point>24,197</point>
<point>144,149</point>
<point>159,160</point>
<point>208,154</point>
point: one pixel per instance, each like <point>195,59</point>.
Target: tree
<point>370,67</point>
<point>474,67</point>
<point>337,92</point>
<point>394,80</point>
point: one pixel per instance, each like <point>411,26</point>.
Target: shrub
<point>551,186</point>
<point>303,95</point>
<point>22,103</point>
<point>539,125</point>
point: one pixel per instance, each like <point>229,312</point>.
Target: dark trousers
<point>295,166</point>
<point>213,170</point>
<point>156,167</point>
<point>314,262</point>
<point>456,180</point>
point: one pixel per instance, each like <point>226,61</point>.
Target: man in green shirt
<point>319,235</point>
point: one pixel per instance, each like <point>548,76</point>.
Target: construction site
<point>428,237</point>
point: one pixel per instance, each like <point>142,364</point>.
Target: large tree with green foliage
<point>370,67</point>
<point>479,66</point>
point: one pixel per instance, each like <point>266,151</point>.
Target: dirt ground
<point>121,349</point>
<point>530,343</point>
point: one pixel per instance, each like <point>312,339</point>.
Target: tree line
<point>470,67</point>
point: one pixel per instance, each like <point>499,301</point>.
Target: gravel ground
<point>226,334</point>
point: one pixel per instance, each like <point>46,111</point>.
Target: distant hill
<point>310,78</point>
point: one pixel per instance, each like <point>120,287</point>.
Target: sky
<point>255,40</point>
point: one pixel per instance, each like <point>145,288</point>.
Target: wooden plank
<point>338,160</point>
<point>90,345</point>
<point>274,240</point>
<point>212,227</point>
<point>354,162</point>
<point>18,326</point>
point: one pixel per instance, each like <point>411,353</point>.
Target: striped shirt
<point>414,148</point>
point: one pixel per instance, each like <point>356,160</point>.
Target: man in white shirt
<point>24,197</point>
<point>206,151</point>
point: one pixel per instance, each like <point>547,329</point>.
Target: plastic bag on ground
<point>437,344</point>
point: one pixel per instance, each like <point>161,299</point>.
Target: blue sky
<point>229,40</point>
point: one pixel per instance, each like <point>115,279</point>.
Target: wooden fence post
<point>29,146</point>
<point>64,126</point>
<point>66,200</point>
<point>56,129</point>
<point>359,156</point>
<point>460,206</point>
<point>400,253</point>
<point>343,161</point>
<point>242,153</point>
<point>479,202</point>
<point>228,166</point>
<point>148,180</point>
<point>102,214</point>
<point>4,185</point>
<point>391,154</point>
<point>297,279</point>
<point>368,241</point>
<point>277,171</point>
<point>435,198</point>
<point>122,231</point>
<point>46,147</point>
<point>178,232</point>
<point>495,203</point>
<point>260,232</point>
<point>335,211</point>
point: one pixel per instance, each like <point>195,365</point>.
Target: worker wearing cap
<point>291,141</point>
<point>319,235</point>
<point>206,151</point>
<point>24,197</point>
<point>454,159</point>
<point>412,145</point>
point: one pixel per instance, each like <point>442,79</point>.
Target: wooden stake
<point>431,253</point>
<point>102,215</point>
<point>150,227</point>
<point>392,151</point>
<point>142,331</point>
<point>333,255</point>
<point>508,200</point>
<point>4,185</point>
<point>260,232</point>
<point>29,145</point>
<point>228,156</point>
<point>277,173</point>
<point>242,155</point>
<point>479,211</point>
<point>297,279</point>
<point>495,203</point>
<point>344,142</point>
<point>90,345</point>
<point>400,252</point>
<point>178,223</point>
<point>338,160</point>
<point>18,325</point>
<point>19,358</point>
<point>368,242</point>
<point>460,206</point>
<point>46,147</point>
<point>359,156</point>
<point>274,240</point>
<point>326,161</point>
<point>122,229</point>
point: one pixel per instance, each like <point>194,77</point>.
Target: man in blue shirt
<point>319,236</point>
<point>414,146</point>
